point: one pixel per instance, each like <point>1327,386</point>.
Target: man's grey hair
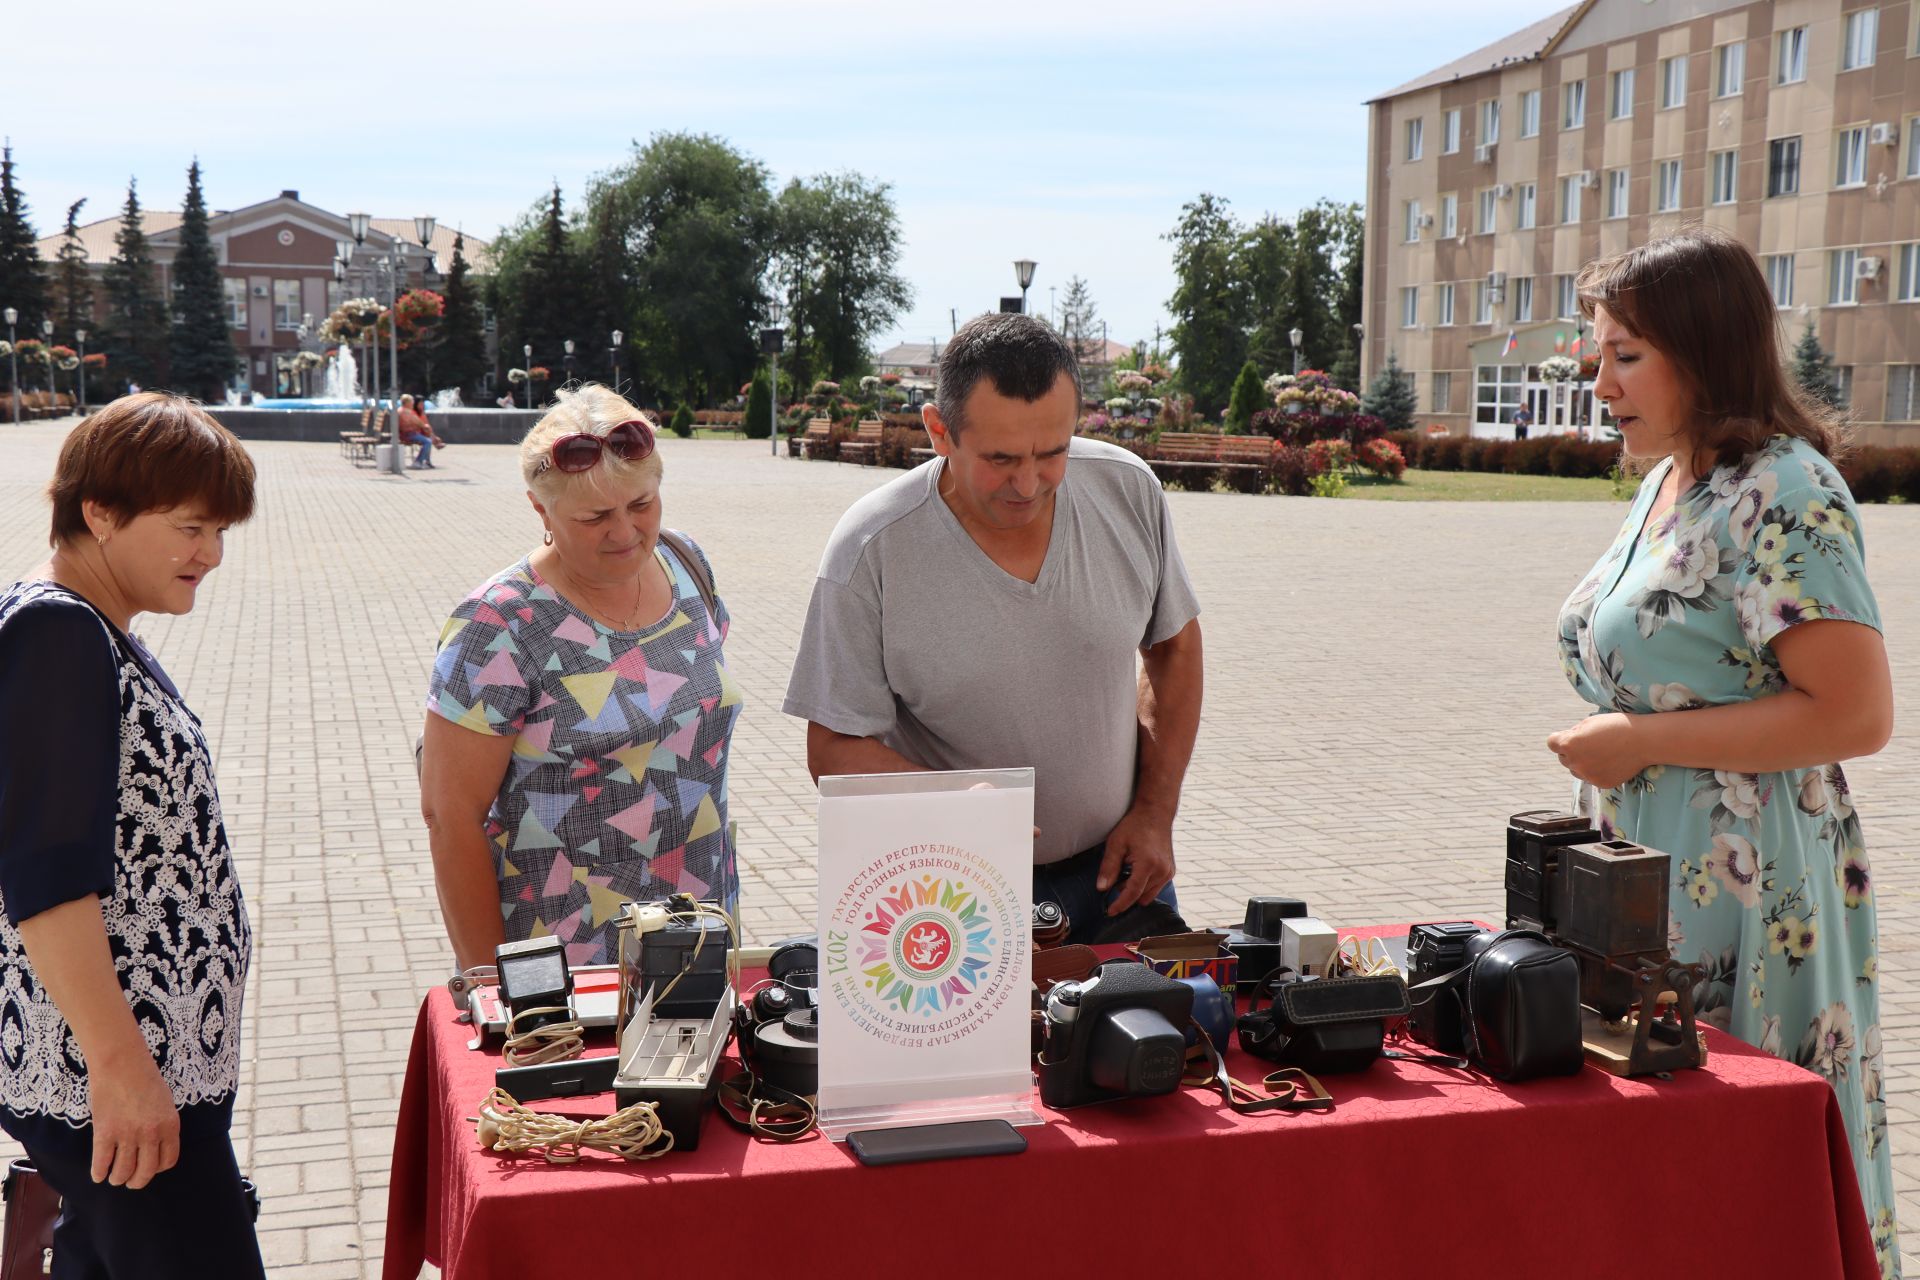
<point>1017,354</point>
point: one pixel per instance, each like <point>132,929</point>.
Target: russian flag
<point>1513,344</point>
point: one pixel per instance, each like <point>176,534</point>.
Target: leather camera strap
<point>1302,1091</point>
<point>765,1110</point>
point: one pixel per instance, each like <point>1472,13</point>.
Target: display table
<point>1739,1169</point>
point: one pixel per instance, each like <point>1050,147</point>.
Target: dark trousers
<point>1072,882</point>
<point>192,1222</point>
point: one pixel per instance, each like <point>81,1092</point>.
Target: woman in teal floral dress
<point>1731,642</point>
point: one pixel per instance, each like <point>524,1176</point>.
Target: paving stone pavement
<point>1380,681</point>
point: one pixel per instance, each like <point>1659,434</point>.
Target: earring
<point>547,540</point>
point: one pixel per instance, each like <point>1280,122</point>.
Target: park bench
<point>358,444</point>
<point>864,448</point>
<point>818,440</point>
<point>1212,451</point>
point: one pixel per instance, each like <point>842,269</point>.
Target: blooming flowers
<point>1688,568</point>
<point>1820,518</point>
<point>1855,879</point>
<point>1736,864</point>
<point>1771,545</point>
<point>1673,697</point>
<point>1829,1043</point>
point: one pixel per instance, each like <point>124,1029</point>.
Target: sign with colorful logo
<point>924,933</point>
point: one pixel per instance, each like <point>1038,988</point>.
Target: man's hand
<point>136,1131</point>
<point>1143,841</point>
<point>1603,750</point>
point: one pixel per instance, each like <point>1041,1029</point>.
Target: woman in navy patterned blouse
<point>123,938</point>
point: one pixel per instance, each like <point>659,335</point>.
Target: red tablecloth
<point>1740,1169</point>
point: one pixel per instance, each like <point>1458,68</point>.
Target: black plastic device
<point>936,1142</point>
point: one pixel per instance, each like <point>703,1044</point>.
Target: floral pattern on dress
<point>1773,890</point>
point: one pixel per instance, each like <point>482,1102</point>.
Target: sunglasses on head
<point>630,441</point>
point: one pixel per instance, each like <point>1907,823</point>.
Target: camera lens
<point>1136,1052</point>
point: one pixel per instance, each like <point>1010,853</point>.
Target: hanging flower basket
<point>1559,369</point>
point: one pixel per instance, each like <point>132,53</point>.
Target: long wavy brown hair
<point>1700,297</point>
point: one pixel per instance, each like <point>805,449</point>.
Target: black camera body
<point>1257,941</point>
<point>779,1040</point>
<point>1434,950</point>
<point>1603,900</point>
<point>1118,1034</point>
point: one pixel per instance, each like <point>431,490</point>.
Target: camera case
<point>1323,1025</point>
<point>1517,999</point>
<point>1119,1034</point>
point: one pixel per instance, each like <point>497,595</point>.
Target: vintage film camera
<point>777,1028</point>
<point>677,1000</point>
<point>1432,951</point>
<point>1120,1033</point>
<point>1606,902</point>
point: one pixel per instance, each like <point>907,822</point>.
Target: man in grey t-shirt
<point>984,611</point>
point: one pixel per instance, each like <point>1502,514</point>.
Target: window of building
<point>1450,132</point>
<point>1903,392</point>
<point>1843,385</point>
<point>1487,205</point>
<point>1906,284</point>
<point>1490,120</point>
<point>1570,198</point>
<point>1411,209</point>
<point>1668,198</point>
<point>1450,215</point>
<point>1443,304</point>
<point>1566,298</point>
<point>1726,171</point>
<point>1617,180</point>
<point>1442,393</point>
<point>1790,61</point>
<point>1730,69</point>
<point>1496,392</point>
<point>1862,33</point>
<point>1783,167</point>
<point>1573,105</point>
<point>1522,299</point>
<point>1840,282</point>
<point>1530,114</point>
<point>236,291</point>
<point>1850,158</point>
<point>1410,306</point>
<point>1620,95</point>
<point>1673,82</point>
<point>1526,198</point>
<point>286,304</point>
<point>1416,136</point>
<point>1780,278</point>
<point>1482,302</point>
<point>1913,146</point>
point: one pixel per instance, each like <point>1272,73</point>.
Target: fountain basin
<point>324,421</point>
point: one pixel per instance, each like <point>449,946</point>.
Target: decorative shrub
<point>1290,471</point>
<point>1094,424</point>
<point>1329,455</point>
<point>683,421</point>
<point>1879,474</point>
<point>1382,457</point>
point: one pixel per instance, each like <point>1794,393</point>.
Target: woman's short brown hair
<point>149,452</point>
<point>1700,297</point>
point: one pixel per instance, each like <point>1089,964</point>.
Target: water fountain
<point>343,376</point>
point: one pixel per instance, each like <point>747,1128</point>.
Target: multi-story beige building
<point>1793,124</point>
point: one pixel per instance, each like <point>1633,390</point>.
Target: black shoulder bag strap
<point>696,567</point>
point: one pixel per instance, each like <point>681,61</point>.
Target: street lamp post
<point>527,351</point>
<point>1294,336</point>
<point>46,351</point>
<point>1023,272</point>
<point>568,345</point>
<point>81,336</point>
<point>1359,338</point>
<point>613,359</point>
<point>770,339</point>
<point>13,364</point>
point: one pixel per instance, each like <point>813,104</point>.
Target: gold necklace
<point>639,595</point>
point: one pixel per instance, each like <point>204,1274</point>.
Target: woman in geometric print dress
<point>580,710</point>
<point>1730,642</point>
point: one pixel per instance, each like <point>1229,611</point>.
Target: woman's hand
<point>136,1130</point>
<point>1603,750</point>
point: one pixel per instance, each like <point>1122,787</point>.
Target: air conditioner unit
<point>1586,177</point>
<point>259,291</point>
<point>1503,191</point>
<point>1882,135</point>
<point>1497,286</point>
<point>1483,153</point>
<point>1866,268</point>
<point>1426,219</point>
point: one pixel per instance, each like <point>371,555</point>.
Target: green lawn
<point>1481,486</point>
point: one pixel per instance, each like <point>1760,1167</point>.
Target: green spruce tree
<point>683,421</point>
<point>758,423</point>
<point>135,335</point>
<point>461,340</point>
<point>1249,397</point>
<point>23,277</point>
<point>1390,397</point>
<point>201,347</point>
<point>1813,369</point>
<point>73,283</point>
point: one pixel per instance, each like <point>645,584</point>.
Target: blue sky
<point>1066,133</point>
